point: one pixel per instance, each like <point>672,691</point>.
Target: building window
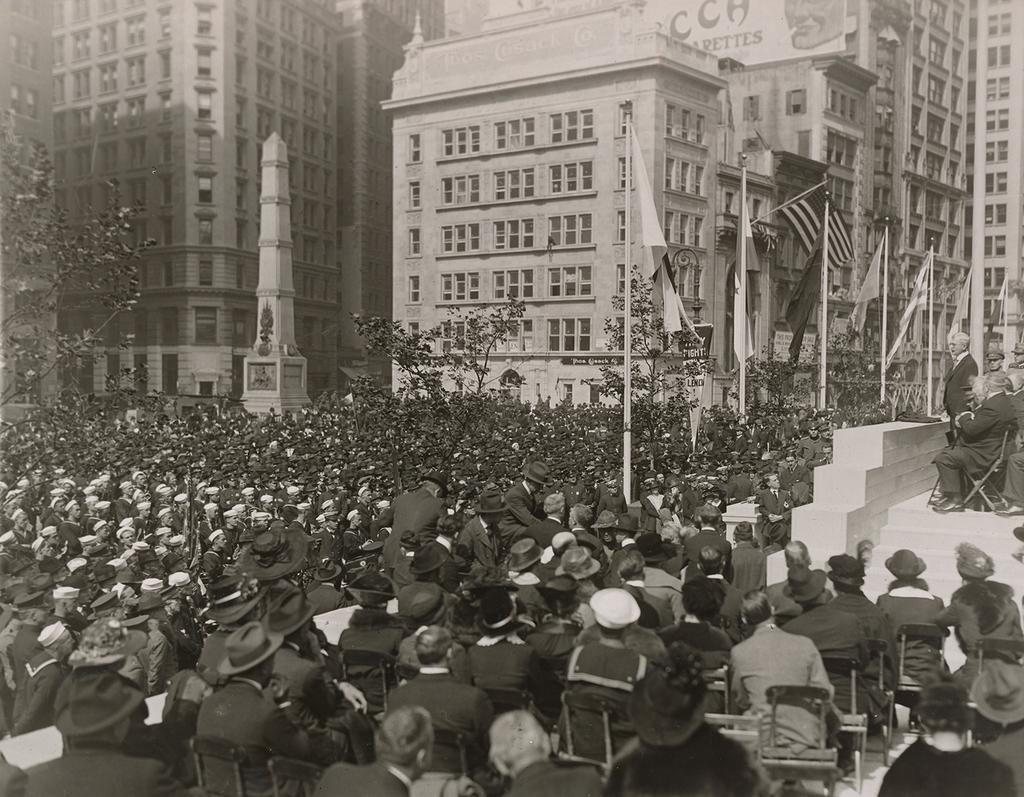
<point>520,336</point>
<point>204,21</point>
<point>460,238</point>
<point>80,89</point>
<point>513,234</point>
<point>135,31</point>
<point>137,152</point>
<point>108,78</point>
<point>414,194</point>
<point>796,102</point>
<point>513,184</point>
<point>415,151</point>
<point>571,126</point>
<point>997,151</point>
<point>571,230</point>
<point>166,189</point>
<point>80,47</point>
<point>205,273</point>
<point>620,226</point>
<point>136,70</point>
<point>516,284</point>
<point>205,232</point>
<point>169,326</point>
<point>840,149</point>
<point>569,334</point>
<point>569,281</point>
<point>677,175</point>
<point>414,242</point>
<point>460,140</point>
<point>414,289</point>
<point>204,150</point>
<point>204,62</point>
<point>460,287</point>
<point>678,123</point>
<point>206,325</point>
<point>205,195</point>
<point>995,245</point>
<point>999,56</point>
<point>568,178</point>
<point>460,190</point>
<point>204,105</point>
<point>514,134</point>
<point>998,119</point>
<point>163,17</point>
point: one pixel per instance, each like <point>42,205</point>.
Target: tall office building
<point>25,102</point>
<point>373,34</point>
<point>173,101</point>
<point>509,150</point>
<point>996,152</point>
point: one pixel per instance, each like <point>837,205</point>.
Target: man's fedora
<point>491,502</point>
<point>247,647</point>
<point>537,472</point>
<point>289,612</point>
<point>524,554</point>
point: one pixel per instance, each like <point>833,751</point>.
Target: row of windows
<point>463,286</point>
<point>134,72</point>
<point>136,25</point>
<point>511,134</point>
<point>575,229</point>
<point>682,123</point>
<point>563,335</point>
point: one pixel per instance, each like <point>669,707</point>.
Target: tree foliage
<point>662,378</point>
<point>52,268</point>
<point>445,385</point>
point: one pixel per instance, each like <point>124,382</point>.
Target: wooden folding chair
<point>742,728</point>
<point>983,487</point>
<point>582,703</point>
<point>816,763</point>
<point>879,649</point>
<point>220,766</point>
<point>362,666</point>
<point>455,741</point>
<point>999,647</point>
<point>284,772</point>
<point>851,720</point>
<point>718,681</point>
<point>930,638</point>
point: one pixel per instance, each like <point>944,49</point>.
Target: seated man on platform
<point>980,442</point>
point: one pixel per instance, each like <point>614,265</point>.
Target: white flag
<point>918,299</point>
<point>960,314</point>
<point>651,236</point>
<point>868,290</point>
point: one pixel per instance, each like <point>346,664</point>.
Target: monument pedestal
<point>275,383</point>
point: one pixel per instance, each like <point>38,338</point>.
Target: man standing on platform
<point>417,512</point>
<point>775,506</point>
<point>958,378</point>
<point>980,442</point>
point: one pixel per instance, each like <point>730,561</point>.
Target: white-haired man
<point>957,385</point>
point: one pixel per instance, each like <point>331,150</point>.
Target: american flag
<point>806,216</point>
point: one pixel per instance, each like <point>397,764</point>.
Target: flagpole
<point>739,305</point>
<point>789,202</point>
<point>885,304</point>
<point>627,345</point>
<point>931,321</point>
<point>823,332</point>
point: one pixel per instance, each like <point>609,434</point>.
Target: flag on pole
<point>868,290</point>
<point>652,239</point>
<point>804,300</point>
<point>998,309</point>
<point>746,251</point>
<point>960,314</point>
<point>918,299</point>
<point>674,314</point>
<point>806,217</point>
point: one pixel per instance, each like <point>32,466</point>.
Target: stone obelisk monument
<point>275,371</point>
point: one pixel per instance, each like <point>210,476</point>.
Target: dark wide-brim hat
<point>524,554</point>
<point>491,502</point>
<point>289,612</point>
<point>373,589</point>
<point>538,472</point>
<point>664,715</point>
<point>905,564</point>
<point>274,554</point>
<point>497,612</point>
<point>93,701</point>
<point>846,569</point>
<point>233,607</point>
<point>652,548</point>
<point>428,558</point>
<point>628,524</point>
<point>420,602</point>
<point>805,584</point>
<point>248,647</point>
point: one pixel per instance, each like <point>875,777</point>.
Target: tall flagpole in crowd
<point>885,305</point>
<point>739,313</point>
<point>627,326</point>
<point>823,333</point>
<point>931,321</point>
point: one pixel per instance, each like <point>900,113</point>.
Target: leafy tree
<point>445,386</point>
<point>52,268</point>
<point>661,376</point>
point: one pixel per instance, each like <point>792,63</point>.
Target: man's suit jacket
<point>415,511</point>
<point>554,778</point>
<point>348,780</point>
<point>453,706</point>
<point>958,382</point>
<point>242,714</point>
<point>770,504</point>
<point>773,657</point>
<point>981,436</point>
<point>485,544</point>
<point>102,771</point>
<point>543,531</point>
<point>522,510</point>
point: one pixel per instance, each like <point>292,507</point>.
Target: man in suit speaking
<point>955,394</point>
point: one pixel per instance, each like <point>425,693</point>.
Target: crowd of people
<point>463,636</point>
